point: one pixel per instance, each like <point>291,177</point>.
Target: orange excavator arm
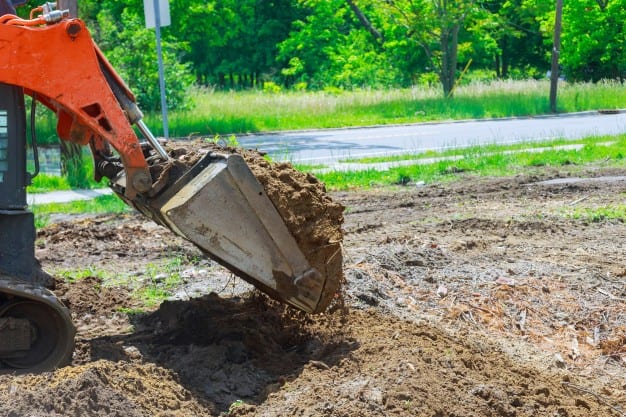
<point>55,60</point>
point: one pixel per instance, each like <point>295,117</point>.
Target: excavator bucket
<point>221,207</point>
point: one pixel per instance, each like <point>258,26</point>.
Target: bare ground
<point>475,298</point>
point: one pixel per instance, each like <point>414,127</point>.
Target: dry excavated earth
<point>482,297</point>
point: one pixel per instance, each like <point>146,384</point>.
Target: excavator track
<point>36,330</point>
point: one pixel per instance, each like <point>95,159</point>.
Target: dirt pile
<point>486,297</point>
<point>99,388</point>
<point>392,367</point>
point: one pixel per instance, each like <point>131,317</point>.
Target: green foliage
<point>347,44</point>
<point>598,214</point>
<point>161,280</point>
<point>103,204</point>
<point>131,48</point>
<point>594,40</point>
<point>44,182</point>
<point>73,275</point>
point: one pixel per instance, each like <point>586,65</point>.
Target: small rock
<point>374,395</point>
<point>442,291</point>
<point>506,281</point>
<point>560,362</point>
<point>159,278</point>
<point>132,352</point>
<point>415,262</point>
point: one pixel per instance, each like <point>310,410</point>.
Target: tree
<point>233,43</point>
<point>130,48</point>
<point>594,40</point>
<point>434,26</point>
<point>329,47</point>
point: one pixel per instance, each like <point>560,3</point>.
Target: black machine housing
<point>17,227</point>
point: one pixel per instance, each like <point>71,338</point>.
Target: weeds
<point>161,280</point>
<point>100,205</point>
<point>73,275</point>
<point>598,214</point>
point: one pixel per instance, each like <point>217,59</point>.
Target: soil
<point>312,218</point>
<point>482,297</point>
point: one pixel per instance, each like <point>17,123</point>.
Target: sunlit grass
<point>487,161</point>
<point>226,112</point>
<point>598,214</point>
<point>98,205</point>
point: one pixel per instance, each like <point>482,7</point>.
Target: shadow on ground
<point>227,350</point>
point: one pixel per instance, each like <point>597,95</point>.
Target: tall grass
<point>222,113</point>
<point>80,175</point>
<point>219,112</point>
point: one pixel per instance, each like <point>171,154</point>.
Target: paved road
<point>329,146</point>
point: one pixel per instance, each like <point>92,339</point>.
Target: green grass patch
<point>309,167</point>
<point>103,204</point>
<point>43,183</point>
<point>488,161</point>
<point>223,113</point>
<point>475,150</point>
<point>162,279</point>
<point>80,175</point>
<point>598,214</point>
<point>73,275</point>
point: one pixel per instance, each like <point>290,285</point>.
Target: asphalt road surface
<point>330,146</point>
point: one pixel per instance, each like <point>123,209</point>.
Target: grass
<point>79,176</point>
<point>161,280</point>
<point>103,204</point>
<point>483,161</point>
<point>223,113</point>
<point>598,214</point>
<point>254,111</point>
<point>73,275</point>
<point>471,150</point>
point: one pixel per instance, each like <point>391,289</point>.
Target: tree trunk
<point>449,48</point>
<point>365,21</point>
<point>72,153</point>
<point>505,58</point>
<point>497,65</point>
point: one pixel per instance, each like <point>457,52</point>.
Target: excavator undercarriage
<point>36,331</point>
<point>217,203</point>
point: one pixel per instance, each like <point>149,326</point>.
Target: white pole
<point>157,25</point>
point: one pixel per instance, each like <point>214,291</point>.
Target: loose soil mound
<point>478,298</point>
<point>101,388</point>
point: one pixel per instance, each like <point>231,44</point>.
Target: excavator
<point>217,204</point>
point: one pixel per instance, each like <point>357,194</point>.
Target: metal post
<point>157,21</point>
<point>554,71</point>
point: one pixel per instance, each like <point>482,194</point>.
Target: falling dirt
<point>311,216</point>
<point>484,297</point>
